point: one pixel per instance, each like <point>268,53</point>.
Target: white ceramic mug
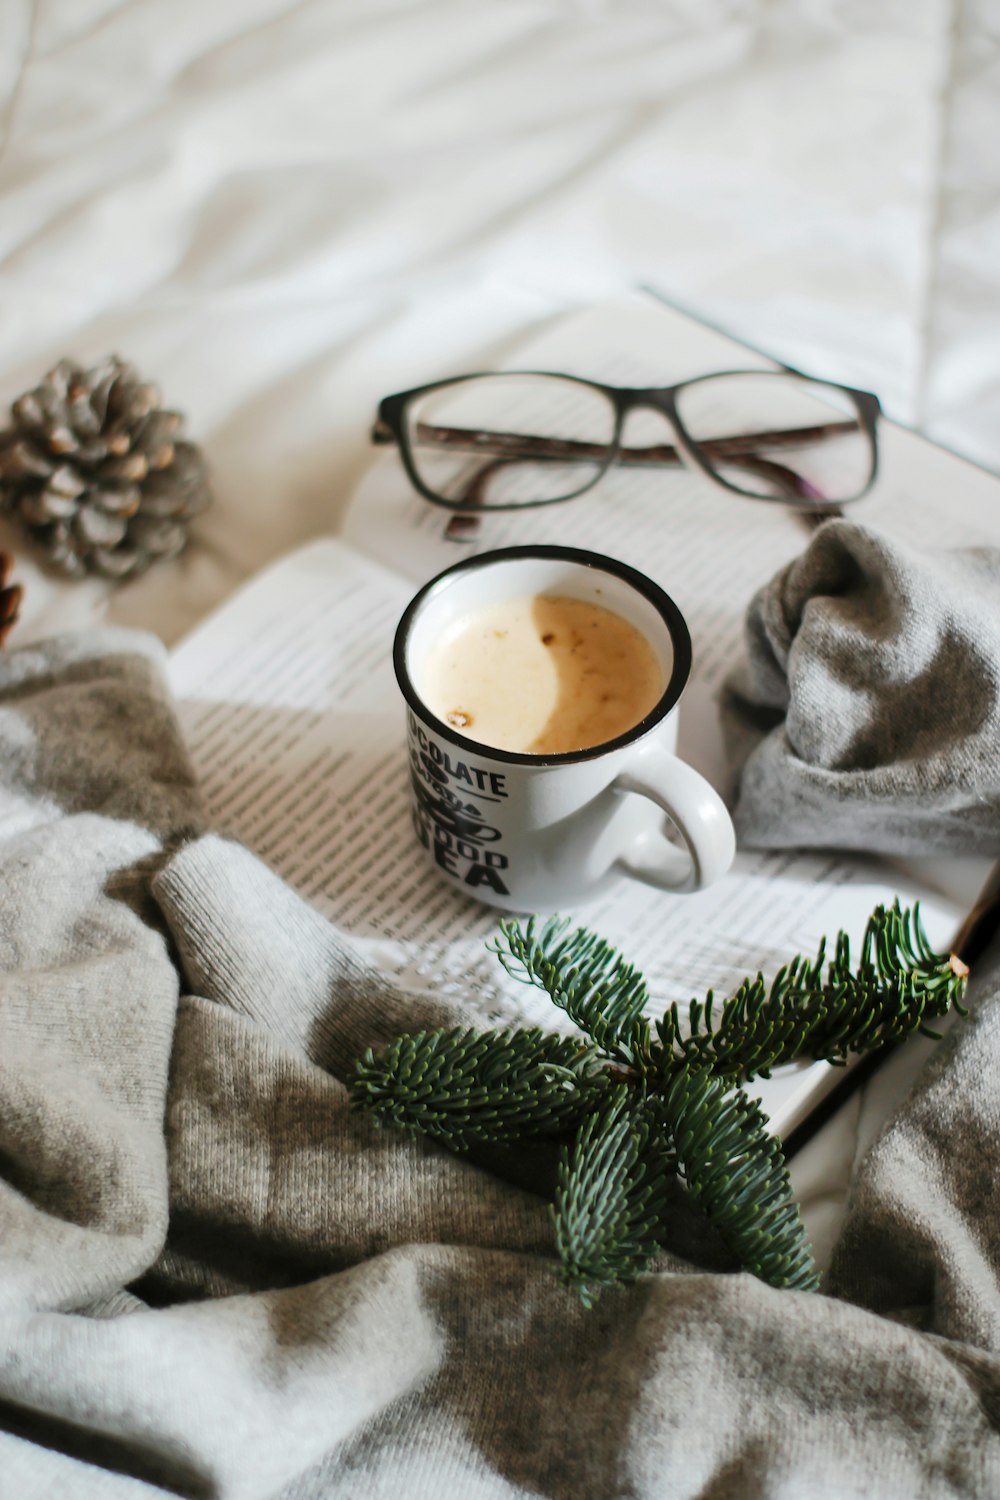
<point>549,832</point>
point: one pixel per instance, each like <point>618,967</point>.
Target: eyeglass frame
<point>390,427</point>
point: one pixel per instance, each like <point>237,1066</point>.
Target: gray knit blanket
<point>867,713</point>
<point>217,1281</point>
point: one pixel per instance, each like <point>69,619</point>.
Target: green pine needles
<point>635,1107</point>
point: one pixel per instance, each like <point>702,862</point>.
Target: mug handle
<point>696,811</point>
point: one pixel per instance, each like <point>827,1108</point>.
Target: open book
<point>296,727</point>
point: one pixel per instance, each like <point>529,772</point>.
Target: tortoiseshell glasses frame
<point>746,463</point>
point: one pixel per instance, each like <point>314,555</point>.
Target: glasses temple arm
<point>524,447</point>
<point>470,502</point>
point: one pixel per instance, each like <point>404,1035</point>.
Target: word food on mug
<point>542,676</point>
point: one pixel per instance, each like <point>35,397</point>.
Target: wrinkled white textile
<point>280,209</point>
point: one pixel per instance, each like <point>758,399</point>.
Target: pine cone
<point>92,467</point>
<point>10,597</point>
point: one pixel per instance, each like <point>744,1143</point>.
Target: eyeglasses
<point>479,443</point>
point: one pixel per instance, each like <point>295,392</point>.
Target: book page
<point>295,725</point>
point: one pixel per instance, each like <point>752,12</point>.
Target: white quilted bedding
<point>281,209</point>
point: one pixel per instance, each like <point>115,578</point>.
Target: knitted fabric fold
<point>867,712</point>
<point>218,1281</point>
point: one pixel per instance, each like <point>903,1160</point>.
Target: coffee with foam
<point>541,675</point>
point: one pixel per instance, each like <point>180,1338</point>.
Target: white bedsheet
<point>281,209</point>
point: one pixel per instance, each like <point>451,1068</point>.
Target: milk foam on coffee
<point>541,676</point>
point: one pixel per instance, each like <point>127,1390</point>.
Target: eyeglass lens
<point>507,440</point>
<point>778,436</point>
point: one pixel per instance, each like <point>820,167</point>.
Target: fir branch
<point>644,1109</point>
<point>899,984</point>
<point>462,1087</point>
<point>611,1198</point>
<point>585,977</point>
<point>736,1172</point>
